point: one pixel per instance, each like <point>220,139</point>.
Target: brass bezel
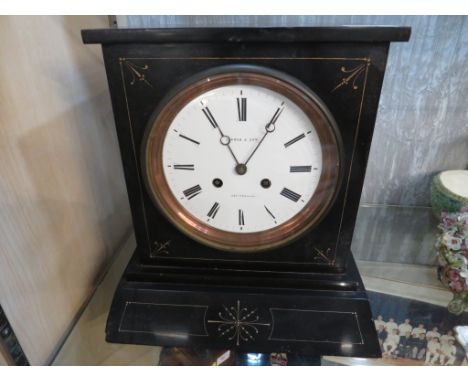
<point>308,217</point>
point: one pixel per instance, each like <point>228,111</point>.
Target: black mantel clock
<point>244,152</point>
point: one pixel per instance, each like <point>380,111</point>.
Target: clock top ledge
<point>365,34</point>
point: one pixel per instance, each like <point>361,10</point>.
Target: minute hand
<point>269,128</point>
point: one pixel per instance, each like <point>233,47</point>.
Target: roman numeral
<point>189,167</point>
<point>300,168</point>
<point>294,140</point>
<point>242,109</point>
<point>213,211</point>
<point>287,193</point>
<point>189,139</point>
<point>241,217</point>
<point>210,117</point>
<point>192,191</point>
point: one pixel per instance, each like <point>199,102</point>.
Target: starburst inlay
<point>238,323</point>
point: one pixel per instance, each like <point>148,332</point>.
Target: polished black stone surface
<point>236,35</point>
<point>223,315</point>
<point>306,297</point>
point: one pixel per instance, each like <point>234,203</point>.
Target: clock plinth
<point>316,315</point>
<point>244,154</point>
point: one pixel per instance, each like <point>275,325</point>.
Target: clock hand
<point>256,147</point>
<point>269,128</point>
<point>225,140</point>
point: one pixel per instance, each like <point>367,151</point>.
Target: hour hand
<point>225,140</point>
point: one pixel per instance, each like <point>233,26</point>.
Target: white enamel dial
<point>221,129</point>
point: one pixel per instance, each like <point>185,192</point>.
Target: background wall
<point>422,125</point>
<point>3,359</point>
<point>64,207</point>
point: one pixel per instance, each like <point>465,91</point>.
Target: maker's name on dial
<point>244,139</point>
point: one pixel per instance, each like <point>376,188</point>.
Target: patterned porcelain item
<point>452,250</point>
<point>449,191</point>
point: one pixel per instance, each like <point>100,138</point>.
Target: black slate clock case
<point>305,297</point>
